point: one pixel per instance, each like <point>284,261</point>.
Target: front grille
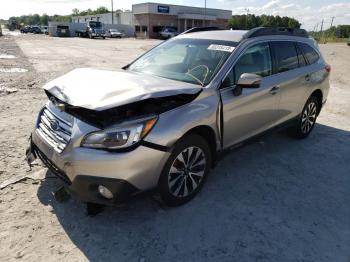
<point>54,130</point>
<point>51,166</point>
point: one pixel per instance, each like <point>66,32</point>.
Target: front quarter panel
<point>173,124</point>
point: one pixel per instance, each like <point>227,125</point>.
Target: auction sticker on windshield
<point>224,48</point>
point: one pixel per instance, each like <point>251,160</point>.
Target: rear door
<point>254,110</point>
<point>315,70</point>
<point>291,77</point>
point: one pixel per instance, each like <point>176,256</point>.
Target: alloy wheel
<point>308,117</point>
<point>187,171</point>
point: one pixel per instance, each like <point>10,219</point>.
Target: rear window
<point>286,56</point>
<point>310,54</point>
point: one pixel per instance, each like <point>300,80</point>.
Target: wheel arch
<point>209,135</point>
<point>319,95</point>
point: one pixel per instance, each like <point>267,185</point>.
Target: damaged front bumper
<point>82,170</point>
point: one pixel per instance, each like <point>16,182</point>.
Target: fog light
<point>105,192</point>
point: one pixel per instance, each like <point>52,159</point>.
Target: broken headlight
<point>119,137</point>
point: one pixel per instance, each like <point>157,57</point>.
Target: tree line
<point>36,19</point>
<point>339,31</point>
<point>250,21</point>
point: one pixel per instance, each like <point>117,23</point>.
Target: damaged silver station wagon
<point>162,121</point>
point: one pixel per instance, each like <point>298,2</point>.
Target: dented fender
<point>175,123</point>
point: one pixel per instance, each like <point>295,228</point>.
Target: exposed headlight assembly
<point>120,137</point>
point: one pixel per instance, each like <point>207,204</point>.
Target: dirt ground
<point>277,199</point>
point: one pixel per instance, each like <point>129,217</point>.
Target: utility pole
<point>329,33</point>
<point>205,12</point>
<point>112,12</point>
<point>321,33</point>
<point>246,18</point>
<point>332,21</point>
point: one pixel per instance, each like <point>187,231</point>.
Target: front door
<point>254,110</point>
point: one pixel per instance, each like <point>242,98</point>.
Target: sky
<point>308,12</point>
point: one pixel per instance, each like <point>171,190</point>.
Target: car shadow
<point>277,199</point>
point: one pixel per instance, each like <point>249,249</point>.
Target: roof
<point>238,35</point>
<point>196,7</point>
<point>225,35</point>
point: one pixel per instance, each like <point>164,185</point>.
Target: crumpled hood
<point>101,89</point>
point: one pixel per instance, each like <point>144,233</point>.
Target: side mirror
<point>248,80</point>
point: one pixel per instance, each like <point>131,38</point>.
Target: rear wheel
<point>185,171</point>
<point>307,118</point>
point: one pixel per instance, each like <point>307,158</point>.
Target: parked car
<point>168,32</point>
<point>114,33</point>
<point>92,29</point>
<point>31,29</point>
<point>62,31</point>
<point>35,29</point>
<point>163,120</point>
<point>26,29</point>
<point>349,41</point>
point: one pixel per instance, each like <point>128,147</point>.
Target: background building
<point>147,19</point>
<point>122,20</point>
<point>150,18</point>
<point>119,17</point>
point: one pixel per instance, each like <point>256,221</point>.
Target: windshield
<point>114,30</point>
<point>95,24</point>
<point>188,60</point>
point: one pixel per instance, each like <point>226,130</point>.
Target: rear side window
<point>310,54</point>
<point>301,58</point>
<point>286,56</point>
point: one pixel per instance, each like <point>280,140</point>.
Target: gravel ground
<point>277,199</point>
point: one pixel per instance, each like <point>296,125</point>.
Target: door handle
<point>307,78</point>
<point>274,90</point>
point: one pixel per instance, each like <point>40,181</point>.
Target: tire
<point>307,119</point>
<point>103,37</point>
<point>177,184</point>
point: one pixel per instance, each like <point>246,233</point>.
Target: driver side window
<point>256,60</point>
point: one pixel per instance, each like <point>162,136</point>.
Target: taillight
<point>328,68</point>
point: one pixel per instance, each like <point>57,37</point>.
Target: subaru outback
<point>162,121</point>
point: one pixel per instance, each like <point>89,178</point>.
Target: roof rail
<point>201,29</point>
<point>262,31</point>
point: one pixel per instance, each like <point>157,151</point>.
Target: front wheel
<point>185,171</point>
<point>307,118</point>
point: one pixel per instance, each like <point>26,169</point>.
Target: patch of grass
<point>324,40</point>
